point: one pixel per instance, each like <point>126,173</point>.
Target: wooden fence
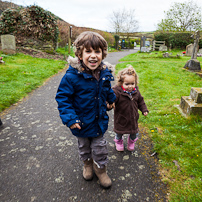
<point>157,44</point>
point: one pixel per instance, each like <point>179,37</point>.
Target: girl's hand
<point>110,106</point>
<point>75,125</point>
<point>145,113</point>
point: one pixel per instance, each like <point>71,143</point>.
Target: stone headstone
<point>142,43</point>
<point>193,64</point>
<point>189,49</point>
<point>192,104</point>
<point>144,49</point>
<point>163,48</point>
<point>200,51</point>
<point>196,46</point>
<point>8,44</point>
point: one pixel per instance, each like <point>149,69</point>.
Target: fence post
<point>154,45</point>
<point>70,36</point>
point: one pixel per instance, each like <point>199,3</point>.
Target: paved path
<point>39,160</point>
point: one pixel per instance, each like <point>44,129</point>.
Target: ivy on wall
<point>32,21</point>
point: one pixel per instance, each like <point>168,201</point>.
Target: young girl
<point>128,101</point>
<point>82,96</point>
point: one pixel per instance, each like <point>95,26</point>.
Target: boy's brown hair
<point>129,70</point>
<point>90,39</point>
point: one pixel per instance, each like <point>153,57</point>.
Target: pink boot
<point>131,143</point>
<point>119,144</point>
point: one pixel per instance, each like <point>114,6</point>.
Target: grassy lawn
<point>176,139</point>
<point>21,74</point>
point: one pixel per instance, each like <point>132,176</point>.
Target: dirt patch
<point>40,54</point>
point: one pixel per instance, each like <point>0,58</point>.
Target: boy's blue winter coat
<point>82,99</point>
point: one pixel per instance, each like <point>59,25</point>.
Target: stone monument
<point>192,104</point>
<point>8,44</point>
<point>193,64</point>
<point>143,39</point>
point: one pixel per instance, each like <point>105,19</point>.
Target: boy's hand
<point>110,106</point>
<point>75,125</point>
<point>145,113</point>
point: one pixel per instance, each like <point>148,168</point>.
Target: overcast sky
<point>95,13</point>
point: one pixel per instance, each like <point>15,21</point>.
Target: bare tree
<point>123,21</point>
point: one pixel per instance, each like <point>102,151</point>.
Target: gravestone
<point>189,49</point>
<point>143,39</point>
<point>200,51</point>
<point>8,44</point>
<point>163,48</point>
<point>144,49</point>
<point>192,104</point>
<point>194,64</point>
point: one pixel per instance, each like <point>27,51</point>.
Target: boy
<point>82,96</point>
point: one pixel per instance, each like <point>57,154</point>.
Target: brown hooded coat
<point>126,111</point>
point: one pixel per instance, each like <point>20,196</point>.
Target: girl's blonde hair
<point>90,39</point>
<point>129,70</point>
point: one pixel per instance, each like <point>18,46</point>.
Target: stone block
<point>144,49</point>
<point>196,95</point>
<point>193,64</point>
<point>189,107</point>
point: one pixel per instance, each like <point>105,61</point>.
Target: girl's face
<point>129,83</point>
<point>91,58</point>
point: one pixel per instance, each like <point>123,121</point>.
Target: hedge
<point>176,39</point>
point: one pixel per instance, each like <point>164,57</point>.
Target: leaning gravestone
<point>8,44</point>
<point>189,49</point>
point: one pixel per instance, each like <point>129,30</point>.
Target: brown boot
<point>88,169</point>
<point>101,173</point>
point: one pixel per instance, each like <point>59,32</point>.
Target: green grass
<point>21,74</point>
<point>65,51</point>
<point>162,82</point>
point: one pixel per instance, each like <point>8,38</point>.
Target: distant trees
<point>123,21</point>
<point>182,17</point>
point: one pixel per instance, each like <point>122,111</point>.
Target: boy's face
<point>91,58</point>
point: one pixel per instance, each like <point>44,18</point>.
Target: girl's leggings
<point>132,136</point>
